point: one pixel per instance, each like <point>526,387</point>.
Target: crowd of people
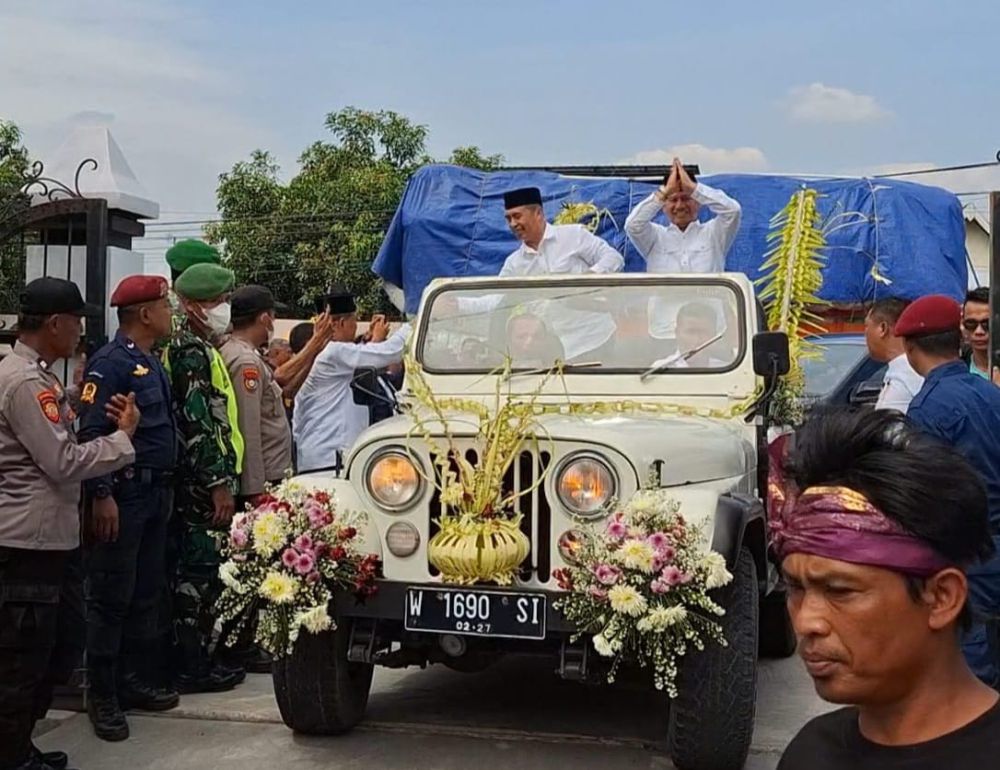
<point>887,538</point>
<point>183,418</point>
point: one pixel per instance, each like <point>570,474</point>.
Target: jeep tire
<point>318,691</point>
<point>711,721</point>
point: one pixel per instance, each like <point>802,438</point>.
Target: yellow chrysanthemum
<point>269,534</point>
<point>626,600</point>
<point>278,587</point>
<point>637,554</point>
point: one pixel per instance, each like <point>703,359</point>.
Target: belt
<point>158,476</point>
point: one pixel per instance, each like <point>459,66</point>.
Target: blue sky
<point>188,88</point>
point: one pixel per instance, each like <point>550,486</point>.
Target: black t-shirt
<point>834,742</point>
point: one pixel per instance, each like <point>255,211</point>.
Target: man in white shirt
<point>548,249</point>
<point>326,420</point>
<point>685,245</point>
<point>901,382</point>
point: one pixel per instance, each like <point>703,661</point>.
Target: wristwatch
<point>102,492</point>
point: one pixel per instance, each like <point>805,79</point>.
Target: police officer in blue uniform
<point>128,513</point>
<point>963,410</point>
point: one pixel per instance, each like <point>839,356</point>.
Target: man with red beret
<point>964,411</point>
<point>128,513</point>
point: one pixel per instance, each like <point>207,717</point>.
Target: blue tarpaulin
<point>450,222</point>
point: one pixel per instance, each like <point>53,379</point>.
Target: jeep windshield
<point>674,327</point>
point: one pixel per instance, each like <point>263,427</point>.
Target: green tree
<point>13,205</point>
<point>324,227</point>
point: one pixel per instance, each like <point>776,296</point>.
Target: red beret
<point>139,288</point>
<point>933,314</point>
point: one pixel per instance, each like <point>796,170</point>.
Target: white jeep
<point>668,362</point>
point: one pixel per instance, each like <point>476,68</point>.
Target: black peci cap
<point>50,296</point>
<point>337,300</point>
<point>250,300</point>
<point>526,196</point>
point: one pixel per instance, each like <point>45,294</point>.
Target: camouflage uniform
<point>208,459</point>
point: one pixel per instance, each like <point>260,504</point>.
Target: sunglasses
<point>970,324</point>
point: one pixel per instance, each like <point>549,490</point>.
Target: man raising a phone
<point>326,420</point>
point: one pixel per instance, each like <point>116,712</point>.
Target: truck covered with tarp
<point>884,237</point>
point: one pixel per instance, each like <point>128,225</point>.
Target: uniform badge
<point>140,370</point>
<point>251,378</point>
<point>50,407</point>
<point>89,392</point>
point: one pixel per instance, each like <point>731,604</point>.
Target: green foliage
<point>326,224</point>
<point>13,204</point>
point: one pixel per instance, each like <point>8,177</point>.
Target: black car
<point>844,374</point>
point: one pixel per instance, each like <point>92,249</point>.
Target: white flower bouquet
<point>286,557</point>
<point>640,585</point>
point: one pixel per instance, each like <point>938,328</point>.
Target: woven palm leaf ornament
<point>587,214</point>
<point>791,283</point>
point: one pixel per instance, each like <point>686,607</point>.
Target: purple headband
<point>840,523</point>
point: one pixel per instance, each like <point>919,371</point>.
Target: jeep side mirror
<point>865,393</point>
<point>770,354</point>
<point>364,386</point>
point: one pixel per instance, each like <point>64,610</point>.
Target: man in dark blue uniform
<point>129,511</point>
<point>963,410</point>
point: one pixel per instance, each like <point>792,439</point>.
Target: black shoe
<point>34,763</point>
<point>57,760</point>
<point>133,693</point>
<point>230,669</point>
<point>215,680</point>
<point>254,660</point>
<point>107,718</point>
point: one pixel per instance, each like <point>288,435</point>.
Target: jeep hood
<point>689,450</point>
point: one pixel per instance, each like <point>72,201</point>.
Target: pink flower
<point>303,543</point>
<point>238,538</point>
<point>607,574</point>
<point>658,586</point>
<point>596,592</point>
<point>305,563</point>
<point>617,529</point>
<point>313,577</point>
<point>290,557</point>
<point>672,576</point>
<point>659,540</point>
<point>318,517</point>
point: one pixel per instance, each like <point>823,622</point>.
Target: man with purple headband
<point>878,526</point>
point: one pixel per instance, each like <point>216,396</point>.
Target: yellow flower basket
<point>474,549</point>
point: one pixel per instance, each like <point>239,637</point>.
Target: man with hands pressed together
<point>686,245</point>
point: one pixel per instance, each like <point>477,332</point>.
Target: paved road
<point>516,714</point>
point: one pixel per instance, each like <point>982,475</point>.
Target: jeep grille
<point>534,507</point>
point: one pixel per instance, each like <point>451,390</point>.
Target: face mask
<point>217,318</point>
<point>270,332</point>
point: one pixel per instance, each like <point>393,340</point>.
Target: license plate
<point>475,613</point>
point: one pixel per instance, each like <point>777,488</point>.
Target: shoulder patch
<point>89,392</point>
<point>251,378</point>
<point>49,405</point>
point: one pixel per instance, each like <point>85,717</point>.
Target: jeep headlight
<point>585,485</point>
<point>393,480</point>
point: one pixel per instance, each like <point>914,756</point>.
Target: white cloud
<point>136,67</point>
<point>713,160</point>
<point>820,103</point>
